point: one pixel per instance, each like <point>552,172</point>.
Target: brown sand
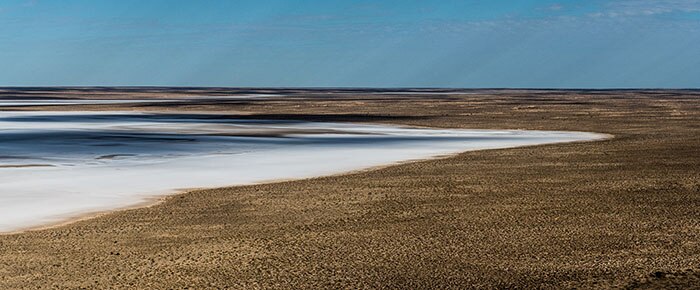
<point>615,213</point>
<point>25,165</point>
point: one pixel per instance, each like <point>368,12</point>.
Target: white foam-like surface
<point>89,162</point>
<point>65,102</point>
<point>23,102</point>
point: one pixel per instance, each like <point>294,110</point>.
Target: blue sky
<point>304,43</point>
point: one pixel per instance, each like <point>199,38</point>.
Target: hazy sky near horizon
<point>401,43</point>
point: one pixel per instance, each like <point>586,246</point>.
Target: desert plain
<point>617,213</point>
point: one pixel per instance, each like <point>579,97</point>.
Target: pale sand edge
<point>157,199</point>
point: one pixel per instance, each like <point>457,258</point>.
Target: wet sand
<point>25,165</point>
<point>620,212</point>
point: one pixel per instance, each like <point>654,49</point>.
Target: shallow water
<point>54,165</point>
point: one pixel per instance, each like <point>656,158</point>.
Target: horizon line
<point>350,88</point>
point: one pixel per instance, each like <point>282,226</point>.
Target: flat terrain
<point>624,212</point>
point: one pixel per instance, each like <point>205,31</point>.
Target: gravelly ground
<point>617,213</point>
